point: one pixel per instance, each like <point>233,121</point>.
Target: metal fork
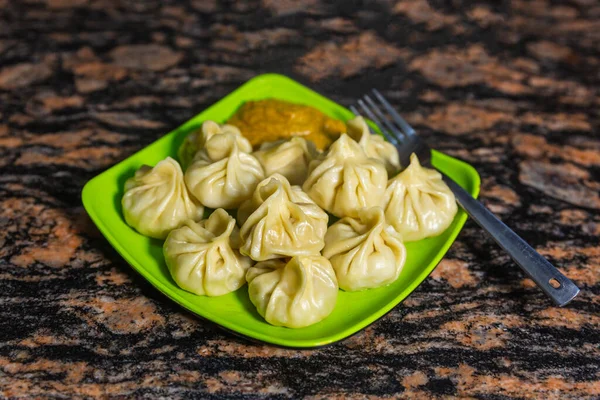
<point>560,289</point>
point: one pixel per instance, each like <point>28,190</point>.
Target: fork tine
<point>390,138</point>
<point>379,124</point>
<point>370,114</point>
<point>408,130</point>
<point>394,131</point>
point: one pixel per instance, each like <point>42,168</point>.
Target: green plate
<point>234,311</point>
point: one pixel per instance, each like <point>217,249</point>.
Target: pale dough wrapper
<point>418,203</point>
<point>346,180</point>
<point>289,158</point>
<point>219,146</point>
<point>203,257</point>
<point>156,200</point>
<point>365,252</point>
<point>374,146</point>
<point>295,294</point>
<point>198,140</point>
<point>225,183</point>
<point>280,220</point>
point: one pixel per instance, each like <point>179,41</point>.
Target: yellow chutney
<point>272,119</point>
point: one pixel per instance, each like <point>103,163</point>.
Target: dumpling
<point>365,252</point>
<point>197,140</point>
<point>203,257</point>
<point>374,146</point>
<point>219,146</point>
<point>346,180</point>
<point>280,220</point>
<point>418,203</point>
<point>225,183</point>
<point>156,200</point>
<point>289,158</point>
<point>295,294</point>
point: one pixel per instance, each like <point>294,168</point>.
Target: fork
<point>398,132</point>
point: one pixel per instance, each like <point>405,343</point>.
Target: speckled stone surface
<point>511,87</point>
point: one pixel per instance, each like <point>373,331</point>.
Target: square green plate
<point>234,311</point>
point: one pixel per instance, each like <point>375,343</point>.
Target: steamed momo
<point>156,200</point>
<point>280,220</point>
<point>197,140</point>
<point>374,146</point>
<point>295,294</point>
<point>218,146</point>
<point>289,158</point>
<point>418,203</point>
<point>365,252</point>
<point>346,180</point>
<point>225,183</point>
<point>203,257</point>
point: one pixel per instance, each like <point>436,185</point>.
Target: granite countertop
<point>511,87</point>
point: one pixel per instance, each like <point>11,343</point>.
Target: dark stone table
<point>511,87</point>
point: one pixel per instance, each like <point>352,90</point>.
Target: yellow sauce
<point>271,119</point>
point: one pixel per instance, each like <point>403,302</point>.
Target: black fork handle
<point>557,286</point>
